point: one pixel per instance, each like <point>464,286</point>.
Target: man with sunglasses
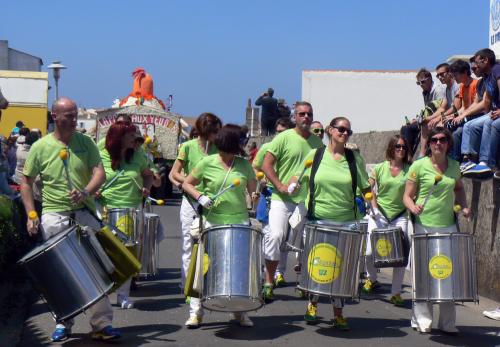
<point>317,129</point>
<point>283,164</point>
<point>446,78</point>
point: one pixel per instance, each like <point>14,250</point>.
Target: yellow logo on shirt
<point>384,247</point>
<point>440,267</point>
<point>206,263</point>
<point>413,175</point>
<point>324,263</point>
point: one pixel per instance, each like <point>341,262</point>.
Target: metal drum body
<point>331,260</point>
<point>387,247</point>
<point>444,267</point>
<point>128,220</point>
<point>148,245</point>
<point>71,271</point>
<point>232,268</point>
<point>363,226</point>
<point>292,241</point>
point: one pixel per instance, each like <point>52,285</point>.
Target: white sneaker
<point>193,322</point>
<point>493,314</point>
<point>243,319</point>
<point>127,304</point>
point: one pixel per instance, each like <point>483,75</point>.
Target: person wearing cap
<point>69,181</point>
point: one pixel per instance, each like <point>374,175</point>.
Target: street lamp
<point>56,68</point>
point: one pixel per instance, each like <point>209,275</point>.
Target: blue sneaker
<point>466,166</point>
<point>108,333</point>
<point>60,334</point>
<point>480,170</point>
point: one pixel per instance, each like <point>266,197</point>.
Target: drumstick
<point>368,198</point>
<point>137,184</point>
<point>64,154</point>
<point>107,185</point>
<point>307,164</point>
<point>457,208</point>
<point>32,215</point>
<point>259,175</point>
<point>437,179</point>
<point>235,183</point>
<point>158,201</point>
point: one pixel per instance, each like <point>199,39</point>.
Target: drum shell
<point>387,247</point>
<point>113,216</point>
<point>148,245</point>
<point>232,282</point>
<point>443,285</point>
<point>68,272</point>
<point>363,226</point>
<point>334,244</point>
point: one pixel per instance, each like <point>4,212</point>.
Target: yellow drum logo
<point>324,263</point>
<point>206,263</point>
<point>440,267</point>
<point>384,247</point>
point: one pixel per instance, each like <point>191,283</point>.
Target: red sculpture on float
<point>142,92</point>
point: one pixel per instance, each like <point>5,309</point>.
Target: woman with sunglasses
<point>334,199</point>
<point>212,175</point>
<point>388,209</point>
<point>437,216</point>
<point>190,153</point>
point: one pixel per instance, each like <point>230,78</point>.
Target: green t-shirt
<point>390,189</point>
<point>43,159</point>
<point>259,157</point>
<point>230,207</point>
<point>191,153</point>
<point>101,144</point>
<point>290,150</point>
<point>333,196</point>
<point>123,192</point>
<point>438,212</point>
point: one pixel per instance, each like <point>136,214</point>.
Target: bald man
<point>63,200</point>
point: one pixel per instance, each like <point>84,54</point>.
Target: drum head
<point>46,245</point>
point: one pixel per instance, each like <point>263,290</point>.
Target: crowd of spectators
<point>466,100</point>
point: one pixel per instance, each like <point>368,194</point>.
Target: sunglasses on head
<point>435,140</point>
<point>303,114</point>
<point>342,130</point>
<point>398,146</point>
<point>419,83</point>
<point>318,131</point>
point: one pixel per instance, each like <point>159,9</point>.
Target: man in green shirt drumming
<point>283,164</point>
<point>65,193</point>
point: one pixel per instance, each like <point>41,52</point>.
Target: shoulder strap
<point>351,161</point>
<point>314,168</point>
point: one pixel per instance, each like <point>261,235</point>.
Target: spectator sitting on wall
<point>269,113</point>
<point>445,77</point>
<point>283,109</point>
<point>488,125</point>
<point>430,92</point>
<point>17,128</point>
<point>466,95</point>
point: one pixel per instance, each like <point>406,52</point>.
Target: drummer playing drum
<point>437,216</point>
<point>119,154</point>
<point>60,203</point>
<point>210,176</point>
<point>334,198</point>
<point>388,209</point>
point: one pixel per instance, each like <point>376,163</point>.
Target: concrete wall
<point>483,198</point>
<point>12,59</point>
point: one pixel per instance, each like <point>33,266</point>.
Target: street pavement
<point>160,312</point>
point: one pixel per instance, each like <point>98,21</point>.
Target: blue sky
<point>214,55</point>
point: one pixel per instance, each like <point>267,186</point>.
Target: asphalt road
<point>160,312</point>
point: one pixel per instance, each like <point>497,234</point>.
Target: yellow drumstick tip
<point>259,175</point>
<point>147,140</point>
<point>32,215</point>
<point>438,178</point>
<point>63,154</point>
<point>457,208</point>
<point>308,163</point>
<point>368,196</point>
<point>160,202</point>
<point>236,182</point>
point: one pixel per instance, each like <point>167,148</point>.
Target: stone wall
<point>484,199</point>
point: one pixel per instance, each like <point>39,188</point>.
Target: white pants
<point>279,216</point>
<point>101,313</point>
<point>398,273</point>
<point>422,312</point>
<point>187,215</point>
<point>195,307</point>
<point>283,254</point>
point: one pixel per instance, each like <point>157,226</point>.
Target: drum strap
<point>318,156</point>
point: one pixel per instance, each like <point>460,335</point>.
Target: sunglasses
<point>403,147</point>
<point>303,114</point>
<point>435,140</point>
<point>419,83</point>
<point>343,130</point>
<point>318,131</point>
<point>441,74</point>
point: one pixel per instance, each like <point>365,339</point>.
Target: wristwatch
<point>85,193</point>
